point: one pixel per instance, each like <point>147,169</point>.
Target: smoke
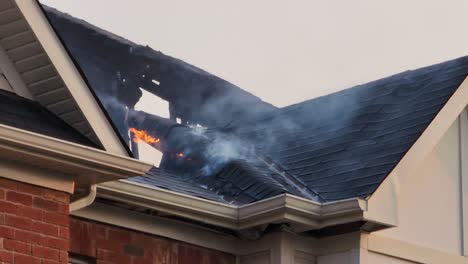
<point>222,149</point>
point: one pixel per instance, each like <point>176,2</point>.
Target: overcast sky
<point>289,51</point>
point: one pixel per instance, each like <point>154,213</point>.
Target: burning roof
<point>232,146</point>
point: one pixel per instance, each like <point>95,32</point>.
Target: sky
<point>286,52</point>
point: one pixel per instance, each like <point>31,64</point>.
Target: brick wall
<point>113,245</point>
<point>34,224</point>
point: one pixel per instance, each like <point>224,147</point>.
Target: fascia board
<point>86,164</point>
<point>170,202</point>
<point>281,208</point>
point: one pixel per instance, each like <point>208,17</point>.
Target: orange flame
<point>180,155</point>
<point>143,136</point>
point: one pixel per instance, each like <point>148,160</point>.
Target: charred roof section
<point>195,96</point>
<point>334,147</point>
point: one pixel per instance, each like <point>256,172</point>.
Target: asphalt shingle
<point>28,115</point>
<point>334,147</point>
<point>343,145</point>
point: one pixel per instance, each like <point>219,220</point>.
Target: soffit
<point>37,72</point>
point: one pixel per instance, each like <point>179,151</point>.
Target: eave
<point>38,154</point>
<point>301,214</point>
<point>40,69</point>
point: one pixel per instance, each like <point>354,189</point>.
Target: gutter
<point>85,200</point>
<point>302,214</point>
<point>83,165</point>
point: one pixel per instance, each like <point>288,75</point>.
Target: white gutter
<point>85,200</point>
<point>84,165</point>
<point>302,214</point>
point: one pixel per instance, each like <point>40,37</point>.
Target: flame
<point>143,136</point>
<point>180,155</point>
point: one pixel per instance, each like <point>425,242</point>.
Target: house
<point>376,173</point>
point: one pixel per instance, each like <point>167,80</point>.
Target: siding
<point>430,200</point>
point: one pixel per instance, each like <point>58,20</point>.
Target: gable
<point>38,68</point>
<point>431,198</point>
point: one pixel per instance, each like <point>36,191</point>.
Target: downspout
<point>84,200</point>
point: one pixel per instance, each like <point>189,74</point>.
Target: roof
<point>194,95</point>
<point>28,115</point>
<point>334,147</point>
<point>330,148</point>
<point>343,145</point>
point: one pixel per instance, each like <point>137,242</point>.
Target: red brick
<point>189,254</point>
<point>6,257</point>
<point>2,194</point>
<point>17,246</point>
<point>63,256</point>
<point>143,240</point>
<point>55,218</point>
<point>113,257</point>
<point>75,236</point>
<point>7,232</point>
<point>64,232</point>
<point>8,184</point>
<point>48,261</point>
<point>55,243</point>
<point>46,253</point>
<point>28,236</point>
<point>111,245</point>
<point>120,235</point>
<point>46,229</point>
<point>45,204</point>
<point>24,259</point>
<point>29,212</point>
<point>28,188</point>
<point>101,231</point>
<point>56,196</point>
<point>18,222</point>
<point>21,198</point>
<point>87,240</point>
<point>7,207</point>
<point>143,261</point>
<point>104,262</point>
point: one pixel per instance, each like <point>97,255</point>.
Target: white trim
<point>86,164</point>
<point>4,84</point>
<point>13,76</point>
<point>408,251</point>
<point>303,214</point>
<point>382,205</point>
<point>71,77</point>
<point>464,177</point>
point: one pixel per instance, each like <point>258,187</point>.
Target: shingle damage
<point>330,148</point>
